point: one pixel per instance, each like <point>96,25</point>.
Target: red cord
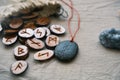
<point>69,20</point>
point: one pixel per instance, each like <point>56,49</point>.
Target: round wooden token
<point>39,32</point>
<point>44,21</point>
<point>21,52</point>
<point>43,55</point>
<point>57,29</point>
<point>35,44</point>
<point>10,32</point>
<point>15,15</point>
<point>52,41</point>
<point>30,25</point>
<point>31,16</point>
<point>47,31</point>
<point>9,40</point>
<point>26,33</point>
<point>16,23</point>
<point>19,67</point>
<point>25,11</point>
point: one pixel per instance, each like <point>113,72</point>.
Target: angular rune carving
<point>58,29</point>
<point>37,43</point>
<point>39,32</point>
<point>19,66</point>
<point>52,39</point>
<point>8,40</point>
<point>47,53</point>
<point>20,51</point>
<point>25,32</point>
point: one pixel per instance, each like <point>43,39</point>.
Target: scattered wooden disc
<point>9,40</point>
<point>25,11</point>
<point>10,32</point>
<point>16,23</point>
<point>35,44</point>
<point>21,52</point>
<point>57,29</point>
<point>52,41</point>
<point>19,67</point>
<point>39,32</point>
<point>26,33</point>
<point>43,55</point>
<point>31,16</point>
<point>30,25</point>
<point>44,21</point>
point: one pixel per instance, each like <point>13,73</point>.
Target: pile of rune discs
<point>33,32</point>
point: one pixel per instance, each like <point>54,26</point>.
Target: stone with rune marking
<point>19,67</point>
<point>35,44</point>
<point>39,33</point>
<point>21,52</point>
<point>9,40</point>
<point>26,33</point>
<point>16,23</point>
<point>52,41</point>
<point>57,29</point>
<point>43,55</point>
<point>44,21</point>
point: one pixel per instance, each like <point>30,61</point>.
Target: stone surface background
<point>94,62</point>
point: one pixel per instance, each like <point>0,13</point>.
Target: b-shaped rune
<point>52,41</point>
<point>39,32</point>
<point>43,55</point>
<point>18,67</point>
<point>35,44</point>
<point>21,52</point>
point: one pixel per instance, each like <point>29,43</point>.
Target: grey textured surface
<point>110,38</point>
<point>94,62</point>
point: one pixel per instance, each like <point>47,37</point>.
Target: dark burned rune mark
<point>25,32</point>
<point>8,40</point>
<point>47,53</point>
<point>20,50</point>
<point>58,29</point>
<point>19,66</point>
<point>37,43</point>
<point>52,39</point>
<point>39,32</point>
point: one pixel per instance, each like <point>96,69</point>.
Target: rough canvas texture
<point>49,7</point>
<point>93,62</point>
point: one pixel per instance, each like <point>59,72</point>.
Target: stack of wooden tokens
<point>34,33</point>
